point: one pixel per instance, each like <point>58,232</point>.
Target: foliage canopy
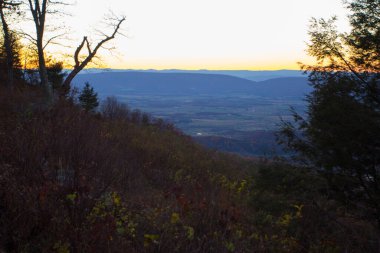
<point>339,135</point>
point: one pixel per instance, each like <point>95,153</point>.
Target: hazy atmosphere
<point>207,34</point>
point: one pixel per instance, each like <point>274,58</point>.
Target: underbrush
<point>119,181</point>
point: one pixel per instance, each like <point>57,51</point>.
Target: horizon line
<point>184,69</point>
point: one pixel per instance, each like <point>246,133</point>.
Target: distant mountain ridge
<point>253,75</point>
<point>165,83</point>
<point>174,84</point>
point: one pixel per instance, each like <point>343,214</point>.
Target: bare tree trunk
<point>43,71</point>
<point>38,11</point>
<point>71,76</point>
<point>8,48</point>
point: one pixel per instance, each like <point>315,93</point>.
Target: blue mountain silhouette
<point>173,84</point>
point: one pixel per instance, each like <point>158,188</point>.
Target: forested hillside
<point>117,181</point>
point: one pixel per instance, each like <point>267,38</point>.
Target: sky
<point>205,34</point>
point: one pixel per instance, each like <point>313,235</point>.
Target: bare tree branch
<point>80,65</point>
<point>53,38</point>
<point>77,51</point>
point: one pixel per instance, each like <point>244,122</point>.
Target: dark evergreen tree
<point>56,74</point>
<point>56,77</point>
<point>16,70</point>
<point>7,9</point>
<point>88,98</point>
<point>340,134</point>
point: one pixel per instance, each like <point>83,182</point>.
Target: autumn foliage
<point>121,181</point>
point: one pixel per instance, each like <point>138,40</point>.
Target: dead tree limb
<point>81,64</point>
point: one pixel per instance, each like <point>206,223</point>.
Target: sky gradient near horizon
<point>207,34</point>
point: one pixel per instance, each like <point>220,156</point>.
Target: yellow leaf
<point>175,218</point>
<point>190,232</point>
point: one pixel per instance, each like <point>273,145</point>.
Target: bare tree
<point>91,53</point>
<point>38,10</point>
<point>10,5</point>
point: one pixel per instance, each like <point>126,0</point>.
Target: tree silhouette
<point>81,64</point>
<point>40,9</point>
<point>88,98</point>
<point>8,7</point>
<point>339,135</point>
<point>10,69</point>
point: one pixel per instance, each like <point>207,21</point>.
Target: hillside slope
<point>119,181</point>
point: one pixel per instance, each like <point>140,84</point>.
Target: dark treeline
<point>77,175</point>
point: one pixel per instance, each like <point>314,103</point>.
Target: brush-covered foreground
<point>119,181</point>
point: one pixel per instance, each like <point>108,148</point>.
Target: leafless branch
<point>53,38</point>
<point>28,37</point>
<point>77,51</point>
<point>79,65</point>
